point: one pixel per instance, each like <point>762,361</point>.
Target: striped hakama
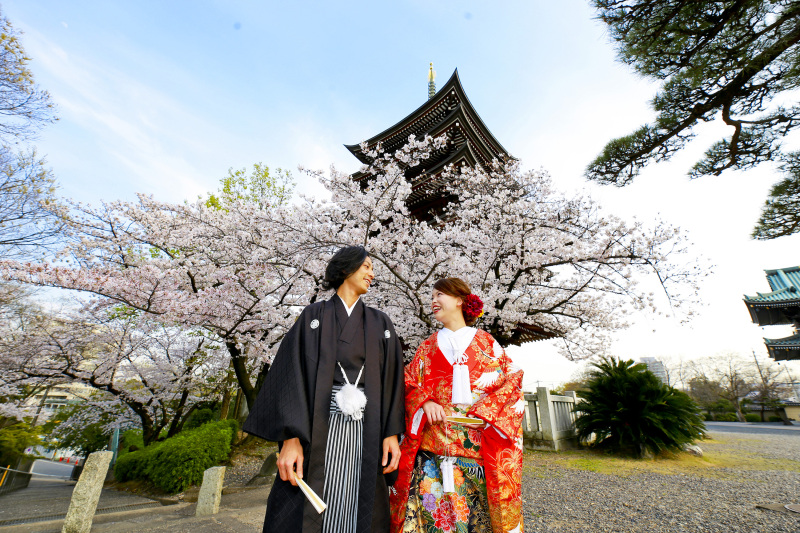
<point>342,470</point>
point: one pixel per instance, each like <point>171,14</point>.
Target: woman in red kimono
<point>460,476</point>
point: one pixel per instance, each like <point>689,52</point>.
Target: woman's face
<point>361,279</point>
<point>445,307</point>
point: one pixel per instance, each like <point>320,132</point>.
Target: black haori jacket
<point>294,401</point>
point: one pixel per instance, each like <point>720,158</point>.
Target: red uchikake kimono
<point>497,396</point>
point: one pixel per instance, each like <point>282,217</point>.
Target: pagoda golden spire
<point>431,82</point>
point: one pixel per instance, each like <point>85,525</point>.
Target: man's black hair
<point>344,262</point>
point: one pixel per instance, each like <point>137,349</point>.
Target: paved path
<point>49,497</point>
<point>51,468</point>
<point>759,428</point>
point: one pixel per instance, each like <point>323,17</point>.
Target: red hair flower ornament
<point>472,307</point>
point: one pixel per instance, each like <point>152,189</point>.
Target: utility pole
<point>41,406</point>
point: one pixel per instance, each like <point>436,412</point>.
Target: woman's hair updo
<point>344,262</point>
<point>471,306</point>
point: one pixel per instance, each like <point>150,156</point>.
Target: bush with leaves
<point>14,440</point>
<point>627,409</point>
<point>178,462</point>
<point>200,417</point>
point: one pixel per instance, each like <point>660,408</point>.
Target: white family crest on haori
<point>314,324</point>
<point>387,334</point>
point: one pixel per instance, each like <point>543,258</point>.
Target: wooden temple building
<point>448,112</point>
<point>781,306</point>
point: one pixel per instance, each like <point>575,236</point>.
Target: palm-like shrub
<point>627,409</point>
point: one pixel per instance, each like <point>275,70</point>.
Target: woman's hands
<point>436,415</point>
<point>434,412</point>
<point>390,447</point>
<point>291,454</point>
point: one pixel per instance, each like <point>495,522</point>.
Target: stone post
<point>210,491</point>
<point>530,420</point>
<point>548,416</point>
<point>86,493</point>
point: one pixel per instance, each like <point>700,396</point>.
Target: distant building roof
<point>779,306</point>
<point>785,349</point>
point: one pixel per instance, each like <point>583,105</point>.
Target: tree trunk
<point>239,363</point>
<point>176,424</point>
<point>226,404</point>
<point>739,414</point>
<point>226,395</point>
<point>237,405</point>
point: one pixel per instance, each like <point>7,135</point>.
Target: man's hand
<point>291,455</point>
<point>390,447</point>
<point>433,411</point>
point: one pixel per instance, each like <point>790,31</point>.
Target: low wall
<point>548,422</point>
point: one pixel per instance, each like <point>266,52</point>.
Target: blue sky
<point>163,97</point>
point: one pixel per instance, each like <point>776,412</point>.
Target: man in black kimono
<point>330,344</point>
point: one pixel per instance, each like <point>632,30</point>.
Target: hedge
<point>752,417</point>
<point>726,417</point>
<point>176,463</point>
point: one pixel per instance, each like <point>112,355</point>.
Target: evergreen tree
<point>731,59</point>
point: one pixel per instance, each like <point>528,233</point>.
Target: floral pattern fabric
<point>497,399</point>
<point>432,510</point>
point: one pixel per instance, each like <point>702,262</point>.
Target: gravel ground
<point>567,493</point>
<point>584,492</point>
<point>244,465</point>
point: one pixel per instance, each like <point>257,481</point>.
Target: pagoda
<point>779,307</point>
<point>448,112</point>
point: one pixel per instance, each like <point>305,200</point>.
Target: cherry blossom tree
<point>157,373</point>
<point>240,269</point>
<point>540,261</point>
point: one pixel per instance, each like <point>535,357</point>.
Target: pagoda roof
<point>449,112</point>
<point>781,305</point>
<point>785,349</point>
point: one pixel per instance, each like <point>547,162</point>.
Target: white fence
<point>548,422</point>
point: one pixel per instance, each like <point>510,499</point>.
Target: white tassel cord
<point>350,399</point>
<point>462,391</point>
<point>448,479</point>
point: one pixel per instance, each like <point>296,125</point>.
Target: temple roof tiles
<point>449,112</point>
<point>785,285</point>
<point>785,349</point>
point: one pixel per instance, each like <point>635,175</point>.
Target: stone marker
<point>210,491</point>
<point>86,493</point>
<point>693,449</point>
<point>268,470</point>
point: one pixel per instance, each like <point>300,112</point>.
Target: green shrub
<point>132,465</point>
<point>707,417</point>
<point>629,410</point>
<point>752,417</point>
<point>176,463</point>
<point>14,440</point>
<point>775,419</point>
<point>198,418</point>
<point>726,417</point>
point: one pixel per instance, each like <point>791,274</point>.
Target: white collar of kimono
<point>454,343</point>
<point>349,309</point>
